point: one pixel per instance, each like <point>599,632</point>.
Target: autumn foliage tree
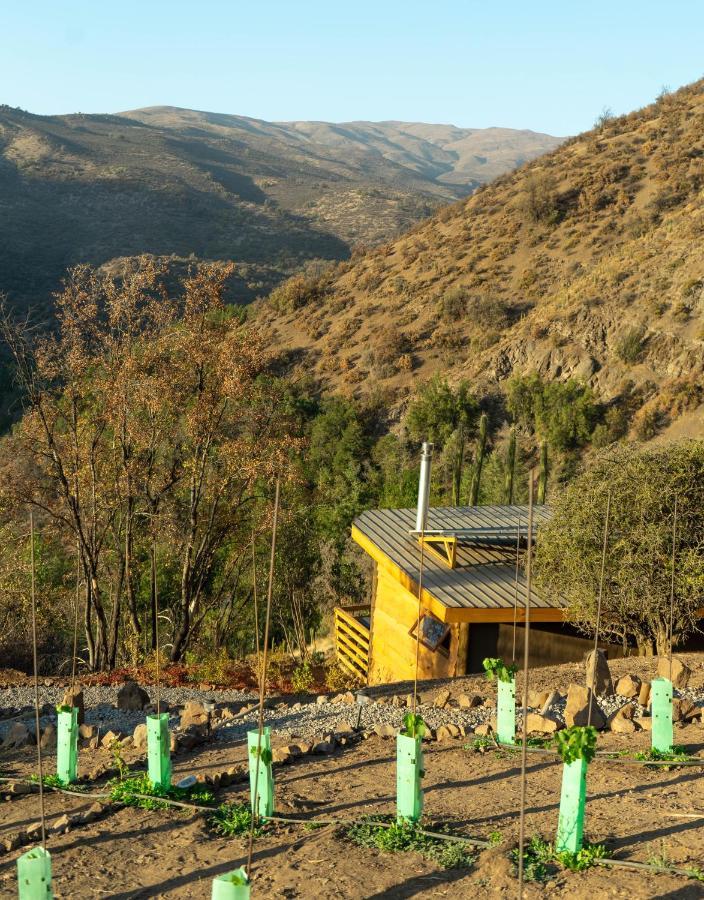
<point>152,430</point>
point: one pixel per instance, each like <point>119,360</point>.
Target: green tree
<point>638,565</point>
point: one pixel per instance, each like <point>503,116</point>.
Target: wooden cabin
<point>472,587</point>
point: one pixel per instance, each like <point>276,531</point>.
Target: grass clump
<point>540,858</point>
<point>677,754</point>
<point>408,837</point>
<point>126,791</point>
<point>232,819</point>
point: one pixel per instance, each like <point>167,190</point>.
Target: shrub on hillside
<point>631,344</point>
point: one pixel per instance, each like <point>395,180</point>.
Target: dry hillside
<point>586,262</point>
<point>183,183</point>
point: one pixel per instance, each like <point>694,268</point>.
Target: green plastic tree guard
<point>159,750</point>
<point>570,824</point>
<point>67,744</point>
<point>661,705</point>
<point>34,875</point>
<point>409,771</point>
<point>506,711</point>
<point>231,885</point>
<point>265,780</point>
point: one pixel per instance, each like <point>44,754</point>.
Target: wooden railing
<point>352,640</point>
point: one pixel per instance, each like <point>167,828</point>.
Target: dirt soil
<point>132,853</point>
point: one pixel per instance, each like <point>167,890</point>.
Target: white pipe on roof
<point>424,486</point>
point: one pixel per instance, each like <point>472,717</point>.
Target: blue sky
<point>549,66</point>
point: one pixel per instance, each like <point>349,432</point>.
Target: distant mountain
<point>587,263</point>
<point>176,182</point>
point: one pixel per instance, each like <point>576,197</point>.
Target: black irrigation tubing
<point>606,756</point>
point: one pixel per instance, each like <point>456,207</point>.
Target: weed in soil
<point>405,837</point>
<point>125,791</point>
<point>539,858</point>
<point>677,754</point>
<point>232,819</point>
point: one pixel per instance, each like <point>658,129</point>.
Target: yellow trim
<point>452,614</point>
<point>449,557</point>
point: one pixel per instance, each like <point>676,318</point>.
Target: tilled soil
<point>133,853</point>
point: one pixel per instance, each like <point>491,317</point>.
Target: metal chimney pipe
<point>424,487</point>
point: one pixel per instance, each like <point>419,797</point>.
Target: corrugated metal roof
<point>484,576</point>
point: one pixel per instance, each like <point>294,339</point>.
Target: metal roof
<point>484,576</point>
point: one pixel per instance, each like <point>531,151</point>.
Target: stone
<point>445,732</point>
<point>409,700</point>
<point>301,748</point>
<point>577,709</point>
<point>20,787</point>
<point>680,671</point>
<point>18,736</point>
<point>12,843</point>
<point>348,697</point>
<point>320,699</point>
<point>467,702</point>
<point>94,811</point>
<point>621,721</point>
<point>34,831</point>
<point>484,729</point>
<point>552,698</point>
<point>683,709</point>
<point>75,698</point>
<point>86,732</point>
<point>173,741</point>
<point>139,736</point>
<point>385,730</point>
<point>645,722</point>
<point>131,697</point>
<point>344,728</point>
<point>628,686</point>
<point>442,698</point>
<point>490,703</point>
<point>111,738</point>
<point>281,755</point>
<point>48,738</point>
<point>194,713</point>
<point>644,693</point>
<point>397,701</point>
<point>536,699</point>
<point>323,747</point>
<point>535,722</point>
<point>151,708</point>
<point>600,680</point>
<point>227,712</point>
<point>60,825</point>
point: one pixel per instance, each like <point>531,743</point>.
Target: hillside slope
<point>586,262</point>
<point>92,188</point>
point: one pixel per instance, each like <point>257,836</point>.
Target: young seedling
<point>231,886</point>
<point>661,705</point>
<point>505,698</point>
<point>576,747</point>
<point>159,750</point>
<point>409,769</point>
<point>67,743</point>
<point>34,875</point>
<point>261,777</point>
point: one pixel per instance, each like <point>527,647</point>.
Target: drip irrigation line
<point>38,732</point>
<point>262,682</point>
<point>606,756</point>
<point>672,584</point>
<point>598,605</point>
<point>526,666</point>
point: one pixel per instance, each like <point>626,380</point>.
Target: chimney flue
<point>424,487</point>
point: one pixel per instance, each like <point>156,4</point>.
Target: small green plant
<point>302,677</point>
<point>264,754</point>
<point>123,770</point>
<point>497,669</point>
<point>127,791</point>
<point>577,742</point>
<point>677,754</point>
<point>53,781</point>
<point>481,745</point>
<point>231,819</point>
<point>584,858</point>
<point>63,708</point>
<point>413,725</point>
<point>405,837</point>
<point>495,837</point>
<point>538,859</point>
<point>234,878</point>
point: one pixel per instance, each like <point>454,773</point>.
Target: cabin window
<point>434,634</point>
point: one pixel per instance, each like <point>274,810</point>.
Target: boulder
<point>467,702</point>
<point>628,686</point>
<point>86,732</point>
<point>321,699</point>
<point>323,747</point>
<point>442,698</point>
<point>447,731</point>
<point>281,755</point>
<point>131,697</point>
<point>577,709</point>
<point>194,713</point>
<point>644,693</point>
<point>111,738</point>
<point>74,697</point>
<point>344,728</point>
<point>599,680</point>
<point>680,671</point>
<point>484,729</point>
<point>536,699</point>
<point>140,736</point>
<point>384,731</point>
<point>621,722</point>
<point>645,722</point>
<point>48,738</point>
<point>552,698</point>
<point>18,736</point>
<point>535,722</point>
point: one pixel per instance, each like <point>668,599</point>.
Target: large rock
<point>194,713</point>
<point>467,702</point>
<point>680,671</point>
<point>628,686</point>
<point>139,736</point>
<point>600,680</point>
<point>442,698</point>
<point>621,722</point>
<point>552,698</point>
<point>18,736</point>
<point>48,738</point>
<point>131,697</point>
<point>536,723</point>
<point>74,697</point>
<point>577,709</point>
<point>644,694</point>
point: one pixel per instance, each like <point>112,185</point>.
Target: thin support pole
<point>155,607</point>
<point>526,656</point>
<point>420,602</point>
<point>36,679</point>
<point>515,588</point>
<point>75,617</point>
<point>598,604</point>
<point>256,601</point>
<point>672,582</point>
<point>262,682</point>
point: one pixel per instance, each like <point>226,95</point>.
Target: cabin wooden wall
<point>393,652</point>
